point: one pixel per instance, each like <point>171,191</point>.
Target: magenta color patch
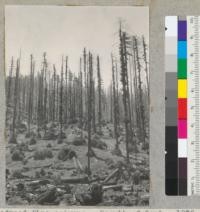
<point>182,128</point>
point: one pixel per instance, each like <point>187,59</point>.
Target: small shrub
<point>17,174</point>
<point>49,145</point>
<point>30,134</point>
<point>50,135</point>
<point>17,156</point>
<point>66,153</point>
<point>32,141</point>
<point>22,146</point>
<point>43,154</point>
<point>97,143</point>
<point>136,177</point>
<point>110,163</point>
<point>13,140</point>
<point>116,151</point>
<point>60,141</point>
<point>78,141</point>
<point>145,146</point>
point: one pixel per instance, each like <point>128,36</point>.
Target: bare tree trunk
<point>81,98</point>
<point>146,65</point>
<point>115,104</point>
<point>99,93</point>
<point>142,117</point>
<point>66,90</point>
<point>61,101</point>
<point>54,95</point>
<point>135,80</point>
<point>9,86</point>
<point>111,104</point>
<point>86,83</point>
<point>57,99</point>
<point>30,104</point>
<point>13,138</point>
<point>90,94</point>
<point>45,93</point>
<point>124,80</point>
<point>93,106</point>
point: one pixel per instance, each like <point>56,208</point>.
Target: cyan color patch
<point>182,49</point>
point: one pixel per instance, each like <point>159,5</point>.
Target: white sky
<point>59,30</point>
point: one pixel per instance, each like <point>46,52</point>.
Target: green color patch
<point>182,68</point>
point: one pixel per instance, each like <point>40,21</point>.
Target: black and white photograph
<point>77,105</point>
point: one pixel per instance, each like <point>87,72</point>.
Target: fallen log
<point>114,173</point>
<point>77,164</point>
<point>49,196</point>
<point>82,180</point>
<point>65,168</point>
<point>115,187</point>
<point>97,179</point>
<point>37,167</point>
<point>39,182</point>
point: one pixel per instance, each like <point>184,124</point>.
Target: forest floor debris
<point>58,176</point>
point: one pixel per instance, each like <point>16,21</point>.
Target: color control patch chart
<point>182,112</point>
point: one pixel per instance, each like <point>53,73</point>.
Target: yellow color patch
<point>182,88</point>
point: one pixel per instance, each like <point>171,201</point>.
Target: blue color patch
<point>182,49</point>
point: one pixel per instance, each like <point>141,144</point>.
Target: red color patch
<point>182,108</point>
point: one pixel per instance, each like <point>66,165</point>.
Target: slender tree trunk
<point>81,98</point>
<point>13,139</point>
<point>93,106</point>
<point>143,130</point>
<point>61,101</point>
<point>124,72</point>
<point>115,104</point>
<point>99,94</point>
<point>135,80</point>
<point>111,104</point>
<point>66,90</point>
<point>90,94</point>
<point>54,94</point>
<point>30,104</point>
<point>45,93</point>
<point>146,65</point>
<point>86,83</point>
<point>9,86</point>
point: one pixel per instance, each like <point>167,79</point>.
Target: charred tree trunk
<point>9,85</point>
<point>111,104</point>
<point>81,98</point>
<point>31,92</point>
<point>54,95</point>
<point>124,80</point>
<point>115,104</point>
<point>86,83</point>
<point>13,138</point>
<point>146,65</point>
<point>61,102</point>
<point>142,117</point>
<point>57,95</point>
<point>45,93</point>
<point>90,94</point>
<point>93,106</point>
<point>99,94</point>
<point>66,90</point>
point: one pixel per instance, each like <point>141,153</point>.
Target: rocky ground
<point>47,170</point>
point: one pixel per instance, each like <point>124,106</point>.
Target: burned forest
<point>72,140</point>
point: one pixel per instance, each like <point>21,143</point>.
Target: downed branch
<point>113,174</point>
<point>81,180</point>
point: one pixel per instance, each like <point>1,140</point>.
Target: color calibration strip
<point>176,105</point>
<point>182,106</point>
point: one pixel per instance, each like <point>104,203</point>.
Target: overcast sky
<point>59,30</point>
